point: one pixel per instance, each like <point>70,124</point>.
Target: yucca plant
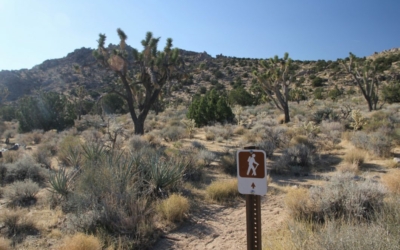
<point>59,182</point>
<point>124,168</point>
<point>93,152</point>
<point>74,156</point>
<point>162,173</point>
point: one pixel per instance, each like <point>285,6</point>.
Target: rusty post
<point>253,219</point>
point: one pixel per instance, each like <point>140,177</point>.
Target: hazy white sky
<point>32,31</point>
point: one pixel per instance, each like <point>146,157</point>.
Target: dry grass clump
<point>297,201</point>
<point>222,190</point>
<point>349,168</point>
<point>81,241</point>
<point>392,181</point>
<point>174,208</point>
<point>355,157</point>
<point>239,130</point>
<point>5,244</point>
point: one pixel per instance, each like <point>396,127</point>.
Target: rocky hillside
<point>64,75</point>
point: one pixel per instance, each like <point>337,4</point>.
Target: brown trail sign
<point>252,181</point>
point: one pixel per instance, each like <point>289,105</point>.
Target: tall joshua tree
<point>149,71</point>
<point>276,81</point>
<point>364,74</point>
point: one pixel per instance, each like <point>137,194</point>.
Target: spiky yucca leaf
<point>59,182</point>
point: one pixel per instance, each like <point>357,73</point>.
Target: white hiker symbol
<point>251,160</point>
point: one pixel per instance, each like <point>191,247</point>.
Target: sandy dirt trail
<point>221,227</point>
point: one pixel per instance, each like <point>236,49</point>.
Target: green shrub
<point>113,104</point>
<point>239,96</point>
<point>209,108</point>
<point>335,93</point>
<point>325,114</point>
<point>318,93</point>
<point>317,82</point>
<point>391,92</point>
<point>46,111</point>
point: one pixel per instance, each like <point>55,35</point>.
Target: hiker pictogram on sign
<point>251,164</point>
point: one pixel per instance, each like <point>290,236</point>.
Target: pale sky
<point>32,31</point>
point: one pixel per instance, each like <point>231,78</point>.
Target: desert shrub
<point>268,147</point>
<point>239,130</point>
<point>324,114</point>
<point>174,208</point>
<point>22,193</point>
<point>173,133</point>
<point>81,241</point>
<point>43,156</point>
<point>197,145</point>
<point>218,131</point>
<point>332,235</point>
<point>335,93</point>
<point>229,164</point>
<point>278,135</point>
<point>222,190</point>
<point>299,155</point>
<point>206,157</point>
<point>379,121</point>
<point>342,197</point>
<point>25,168</point>
<point>377,142</point>
<point>17,224</point>
<point>355,156</point>
<point>137,142</point>
<point>327,126</point>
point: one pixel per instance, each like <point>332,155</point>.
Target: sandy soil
<point>221,227</point>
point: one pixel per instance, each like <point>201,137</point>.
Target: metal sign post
<point>252,181</point>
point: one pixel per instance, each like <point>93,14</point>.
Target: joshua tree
<point>276,81</point>
<point>149,71</point>
<point>364,74</point>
